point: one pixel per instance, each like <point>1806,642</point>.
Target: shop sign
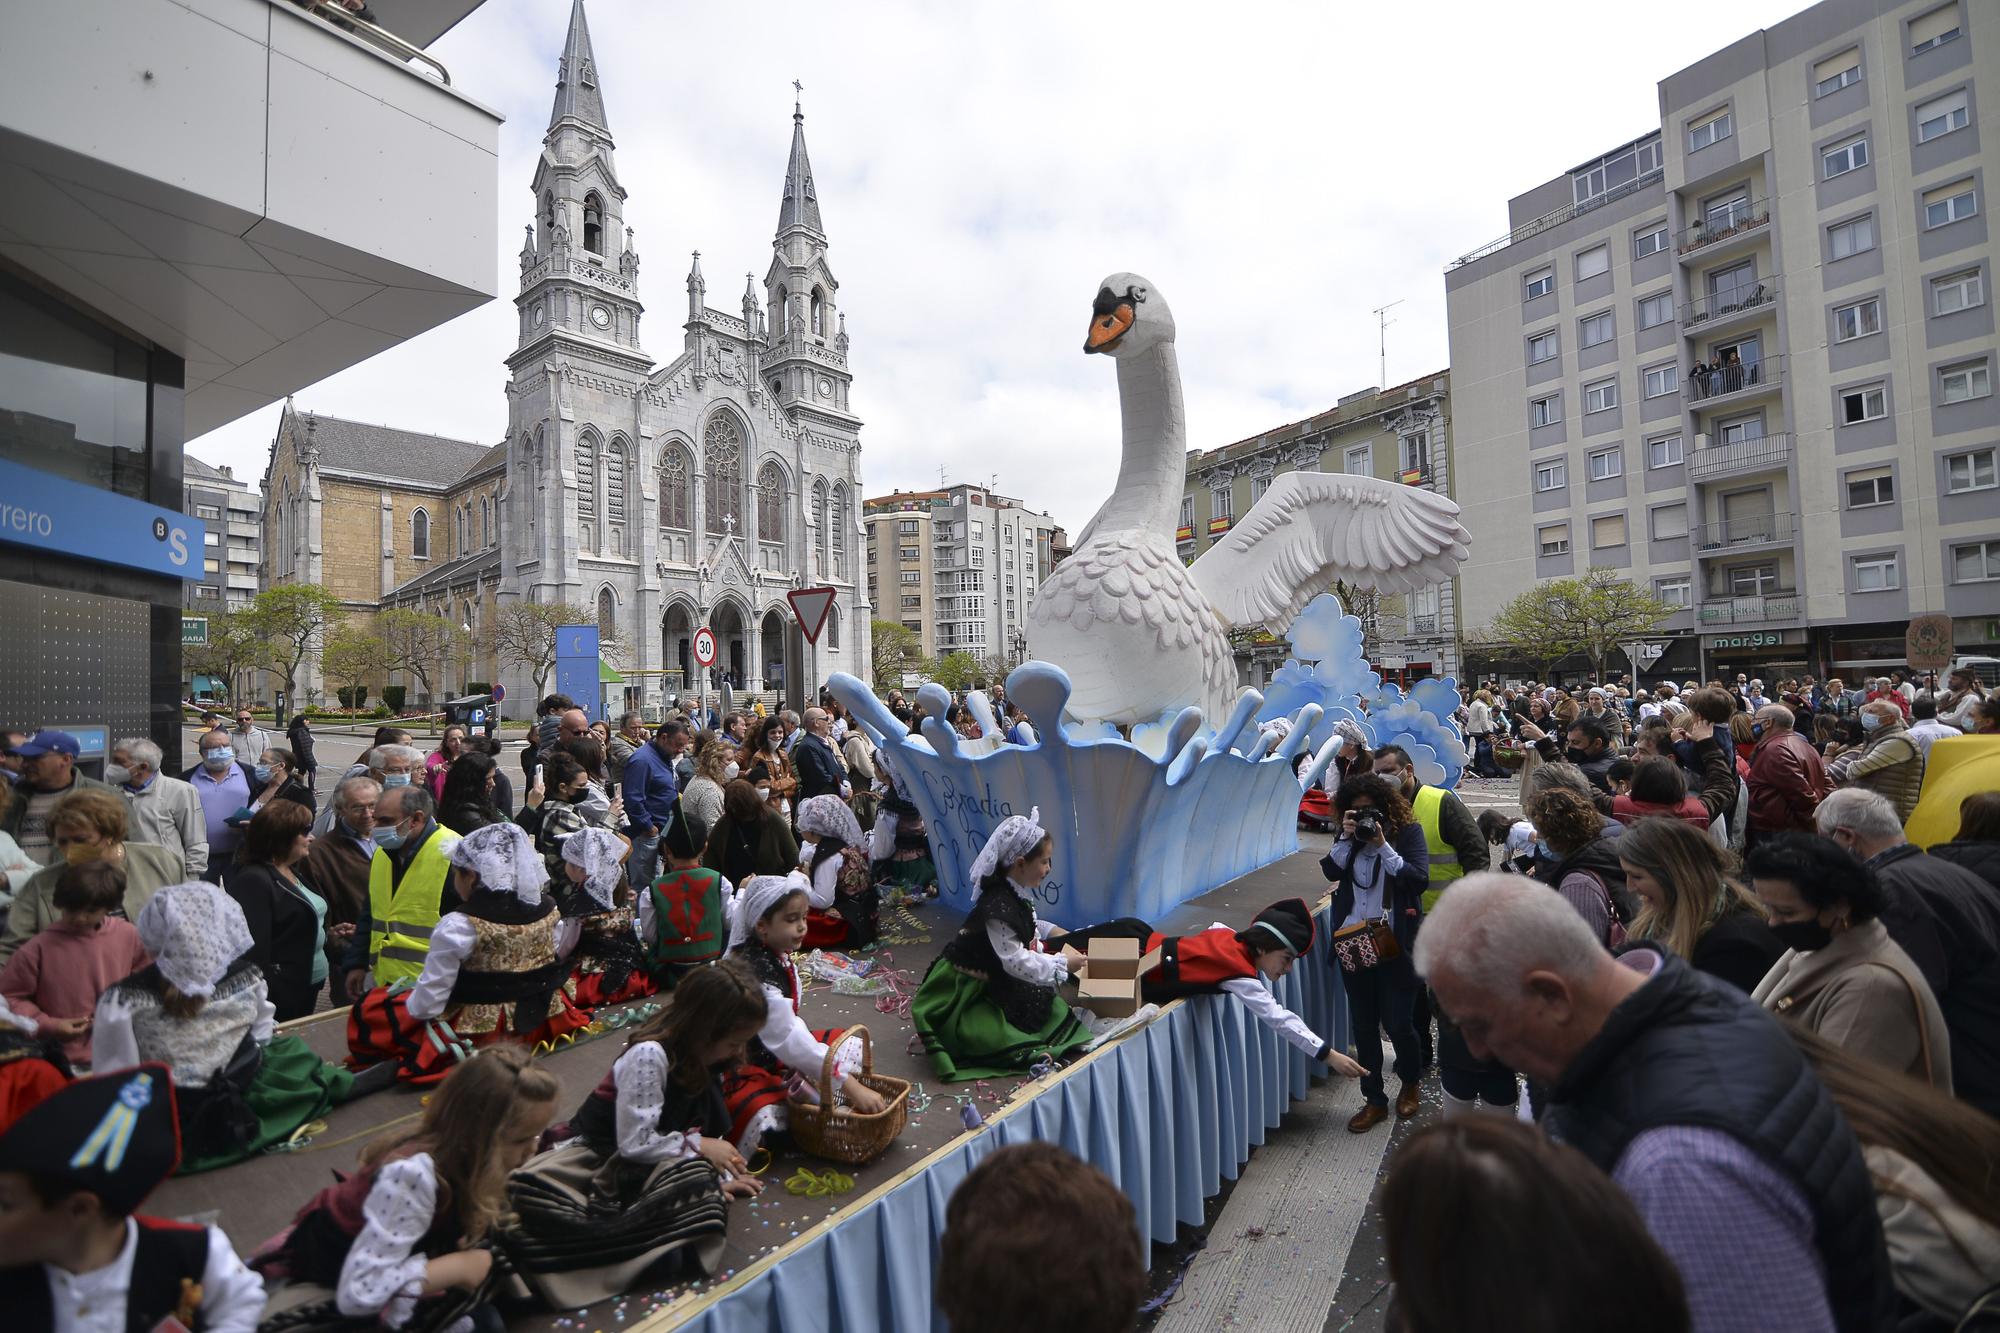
<point>1769,638</point>
<point>87,523</point>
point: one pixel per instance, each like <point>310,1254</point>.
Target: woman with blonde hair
<point>1690,902</point>
<point>715,767</point>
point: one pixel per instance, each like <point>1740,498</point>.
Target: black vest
<point>1024,1004</point>
<point>1686,1049</point>
<point>165,1255</point>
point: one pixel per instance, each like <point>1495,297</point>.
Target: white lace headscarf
<point>600,854</point>
<point>1015,838</point>
<point>829,816</point>
<point>194,931</point>
<point>506,859</point>
<point>759,894</point>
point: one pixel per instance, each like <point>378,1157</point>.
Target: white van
<point>1987,669</point>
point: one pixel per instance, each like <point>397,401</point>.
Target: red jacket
<point>1787,782</point>
<point>1628,811</point>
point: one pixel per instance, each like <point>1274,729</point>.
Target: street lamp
<point>1020,646</point>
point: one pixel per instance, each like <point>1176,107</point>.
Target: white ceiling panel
<point>333,295</point>
<point>266,299</point>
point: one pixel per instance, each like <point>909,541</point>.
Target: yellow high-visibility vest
<point>402,916</point>
<point>1428,808</point>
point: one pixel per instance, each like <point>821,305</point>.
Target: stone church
<point>663,498</point>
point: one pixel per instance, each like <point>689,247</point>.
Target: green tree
<point>420,643</point>
<point>234,646</point>
<point>956,671</point>
<point>1610,611</point>
<point>351,657</point>
<point>525,632</point>
<point>292,620</point>
<point>1538,625</point>
<point>893,649</point>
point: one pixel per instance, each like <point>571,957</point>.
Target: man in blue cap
<point>48,773</point>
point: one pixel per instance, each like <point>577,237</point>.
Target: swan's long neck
<point>1153,466</point>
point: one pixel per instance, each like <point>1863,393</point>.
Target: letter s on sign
<point>177,545</point>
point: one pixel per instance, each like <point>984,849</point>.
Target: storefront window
<point>72,394</point>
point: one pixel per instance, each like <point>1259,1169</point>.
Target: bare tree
<point>292,620</point>
<point>525,632</point>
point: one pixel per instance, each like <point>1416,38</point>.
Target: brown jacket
<point>337,868</point>
<point>1863,993</point>
<point>1787,783</point>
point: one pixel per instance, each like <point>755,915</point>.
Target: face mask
<point>395,780</point>
<point>118,775</point>
<point>730,771</point>
<point>390,838</point>
<point>1576,756</point>
<point>82,853</point>
<point>1869,721</point>
<point>1805,936</point>
<point>218,761</point>
<point>763,793</point>
<point>262,772</point>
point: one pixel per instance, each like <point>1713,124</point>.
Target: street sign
<point>810,607</point>
<point>1928,642</point>
<point>194,630</point>
<point>704,646</point>
<point>499,694</point>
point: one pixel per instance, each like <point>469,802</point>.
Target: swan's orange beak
<point>1106,330</point>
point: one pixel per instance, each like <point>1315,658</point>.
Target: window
<point>1663,380</point>
<point>1676,591</point>
<point>1656,309</point>
<point>1753,580</point>
<point>212,566</point>
<point>1616,169</point>
<point>607,615</point>
<point>1736,430</point>
<point>207,511</point>
<point>1593,262</point>
<point>1607,530</point>
<point>818,313</point>
<point>1258,485</point>
<point>1957,291</point>
<point>1722,213</point>
<point>1415,451</point>
<point>1850,238</point>
<point>978,556</point>
<point>207,590</point>
<point>593,224</point>
<point>1596,329</point>
<point>1857,320</point>
<point>586,478</point>
<point>1975,562</point>
<point>1949,203</point>
<point>1669,522</point>
<point>1552,475</point>
<point>1941,115</point>
<point>1870,403</point>
<point>1933,29</point>
<point>911,576</point>
<point>907,553</point>
<point>1544,411</point>
<point>1649,242</point>
<point>211,539</point>
<point>1542,347</point>
<point>1664,451</point>
<point>1221,502</point>
<point>1187,511</point>
<point>1837,72</point>
<point>912,602</point>
<point>722,447</point>
<point>1712,129</point>
<point>676,497</point>
<point>1965,381</point>
<point>1553,540</point>
<point>1974,470</point>
<point>420,535</point>
<point>1606,464</point>
<point>1871,486</point>
<point>1875,573</point>
<point>1601,396</point>
<point>1848,155</point>
<point>1539,283</point>
<point>1360,461</point>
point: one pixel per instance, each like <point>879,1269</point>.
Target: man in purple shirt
<point>224,789</point>
<point>1685,1093</point>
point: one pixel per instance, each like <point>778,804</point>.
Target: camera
<point>1367,825</point>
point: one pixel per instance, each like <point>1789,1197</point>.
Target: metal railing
<point>1720,224</point>
<point>339,16</point>
<point>1749,610</point>
<point>1556,219</point>
<point>1423,624</point>
<point>1731,534</point>
<point>1728,381</point>
<point>1730,301</point>
<point>1737,456</point>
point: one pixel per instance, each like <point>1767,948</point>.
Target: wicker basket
<point>1511,760</point>
<point>838,1133</point>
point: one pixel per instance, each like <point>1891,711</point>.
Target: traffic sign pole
<point>810,607</point>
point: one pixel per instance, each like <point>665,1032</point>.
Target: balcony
<point>1727,223</point>
<point>1557,218</point>
<point>1754,610</point>
<point>1766,453</point>
<point>1729,305</point>
<point>1743,533</point>
<point>1731,383</point>
<point>1423,625</point>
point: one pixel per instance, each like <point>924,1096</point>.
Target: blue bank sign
<point>37,509</point>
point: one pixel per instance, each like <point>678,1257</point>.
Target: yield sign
<point>809,606</point>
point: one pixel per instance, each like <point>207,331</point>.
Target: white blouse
<point>640,1076</point>
<point>451,945</point>
<point>384,1271</point>
<point>115,1045</point>
<point>232,1297</point>
<point>1019,960</point>
<point>825,880</point>
<point>786,1036</point>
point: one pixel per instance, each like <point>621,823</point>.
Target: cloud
<point>1277,172</point>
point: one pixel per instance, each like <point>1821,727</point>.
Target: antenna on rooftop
<point>1382,340</point>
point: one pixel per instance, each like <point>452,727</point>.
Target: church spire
<point>800,207</point>
<point>577,93</point>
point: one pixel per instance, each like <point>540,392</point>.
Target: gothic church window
<point>548,216</point>
<point>674,496</point>
<point>819,527</point>
<point>593,224</point>
<point>586,478</point>
<point>607,615</point>
<point>839,539</point>
<point>818,313</point>
<point>770,504</point>
<point>722,452</point>
<point>784,305</point>
<point>614,483</point>
<point>833,628</point>
<point>420,535</point>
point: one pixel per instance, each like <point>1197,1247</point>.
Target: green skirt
<point>293,1087</point>
<point>967,1036</point>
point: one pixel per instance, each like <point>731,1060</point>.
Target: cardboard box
<point>1110,987</point>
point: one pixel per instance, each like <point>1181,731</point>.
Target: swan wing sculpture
<point>1139,633</point>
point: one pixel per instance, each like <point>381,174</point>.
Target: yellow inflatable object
<point>1958,767</point>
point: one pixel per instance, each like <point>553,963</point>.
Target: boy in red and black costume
<point>72,1172</point>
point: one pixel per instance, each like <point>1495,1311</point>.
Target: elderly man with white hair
<point>1948,921</point>
<point>1686,1093</point>
<point>164,810</point>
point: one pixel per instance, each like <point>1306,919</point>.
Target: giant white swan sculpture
<point>1139,633</point>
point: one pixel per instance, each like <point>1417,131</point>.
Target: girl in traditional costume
<point>845,905</point>
<point>601,939</point>
<point>899,844</point>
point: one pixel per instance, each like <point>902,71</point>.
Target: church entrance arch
<point>676,641</point>
<point>730,636</point>
<point>772,655</point>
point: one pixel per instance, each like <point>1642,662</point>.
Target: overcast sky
<point>1276,170</point>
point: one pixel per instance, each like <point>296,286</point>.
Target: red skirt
<point>749,1088</point>
<point>380,1028</point>
<point>824,930</point>
<point>587,988</point>
<point>24,1082</point>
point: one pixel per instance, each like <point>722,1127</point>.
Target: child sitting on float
<point>492,973</point>
<point>844,903</point>
<point>1224,960</point>
<point>899,845</point>
<point>988,1006</point>
<point>600,938</point>
<point>32,1067</point>
<point>786,1057</point>
<point>684,913</point>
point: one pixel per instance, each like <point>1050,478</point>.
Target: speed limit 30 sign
<point>704,646</point>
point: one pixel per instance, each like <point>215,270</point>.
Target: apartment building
<point>232,516</point>
<point>1746,359</point>
<point>962,562</point>
<point>1401,434</point>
